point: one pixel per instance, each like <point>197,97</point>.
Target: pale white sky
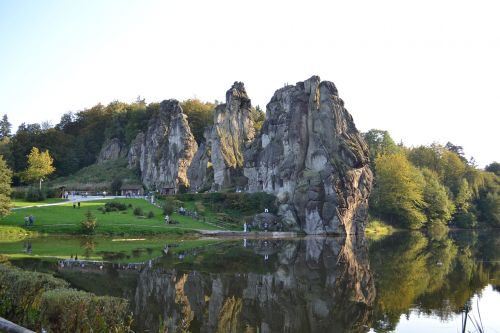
<point>423,70</point>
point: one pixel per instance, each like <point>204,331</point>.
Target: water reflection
<point>316,284</point>
<point>402,282</point>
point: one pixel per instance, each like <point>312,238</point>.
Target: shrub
<point>21,292</point>
<point>18,193</point>
<point>53,193</point>
<point>116,186</point>
<point>114,206</point>
<point>150,215</point>
<point>89,224</point>
<point>168,209</point>
<point>138,211</point>
<point>69,310</point>
<point>34,194</point>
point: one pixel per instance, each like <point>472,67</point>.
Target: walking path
<point>78,198</point>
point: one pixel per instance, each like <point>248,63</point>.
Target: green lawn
<point>64,219</point>
<point>22,203</point>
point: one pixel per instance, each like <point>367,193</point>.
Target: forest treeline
<point>431,186</point>
<point>415,187</point>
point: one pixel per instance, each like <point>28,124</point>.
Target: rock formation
<point>308,153</point>
<point>164,152</point>
<point>311,156</point>
<point>112,150</point>
<point>225,142</point>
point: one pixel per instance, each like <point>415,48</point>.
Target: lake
<point>407,282</point>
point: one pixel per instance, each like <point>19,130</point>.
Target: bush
<point>168,209</point>
<point>34,194</point>
<point>138,211</point>
<point>246,203</point>
<point>115,206</point>
<point>21,292</point>
<point>53,193</point>
<point>150,215</point>
<point>18,193</point>
<point>88,225</point>
<point>116,186</point>
<point>69,310</point>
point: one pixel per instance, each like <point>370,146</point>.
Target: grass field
<point>64,219</point>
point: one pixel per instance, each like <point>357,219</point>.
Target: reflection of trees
<point>437,275</point>
<point>317,284</point>
<point>88,246</point>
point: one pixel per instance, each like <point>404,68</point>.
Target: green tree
<point>398,194</point>
<point>493,167</point>
<point>380,143</point>
<point>258,117</point>
<point>5,189</point>
<point>200,115</point>
<point>464,218</point>
<point>5,127</point>
<point>439,208</point>
<point>39,166</point>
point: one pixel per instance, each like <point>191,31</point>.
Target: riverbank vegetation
<point>419,187</point>
<point>38,300</point>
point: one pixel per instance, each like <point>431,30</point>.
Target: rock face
<point>164,152</point>
<point>311,156</point>
<point>112,150</point>
<point>225,142</point>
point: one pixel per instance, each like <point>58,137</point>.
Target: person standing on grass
<point>78,204</point>
<point>31,220</point>
<point>26,220</point>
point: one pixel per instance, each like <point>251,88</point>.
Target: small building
<point>168,191</point>
<point>132,190</point>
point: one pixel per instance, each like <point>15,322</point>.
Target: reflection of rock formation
<point>316,285</point>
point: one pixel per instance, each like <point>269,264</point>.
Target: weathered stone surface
<point>112,150</point>
<point>311,156</point>
<point>226,141</point>
<point>200,173</point>
<point>164,152</point>
<point>266,221</point>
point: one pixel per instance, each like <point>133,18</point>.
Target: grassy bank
<point>13,234</point>
<point>64,219</point>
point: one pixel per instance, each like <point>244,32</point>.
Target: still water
<point>407,282</point>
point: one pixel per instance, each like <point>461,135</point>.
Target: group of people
<point>29,220</point>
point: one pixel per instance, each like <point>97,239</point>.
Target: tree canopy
<point>5,189</point>
<point>39,166</point>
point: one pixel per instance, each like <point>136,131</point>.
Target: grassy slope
<point>98,176</point>
<point>64,218</point>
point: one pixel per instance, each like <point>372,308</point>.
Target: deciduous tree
<point>39,166</point>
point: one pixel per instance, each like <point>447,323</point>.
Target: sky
<point>427,71</point>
